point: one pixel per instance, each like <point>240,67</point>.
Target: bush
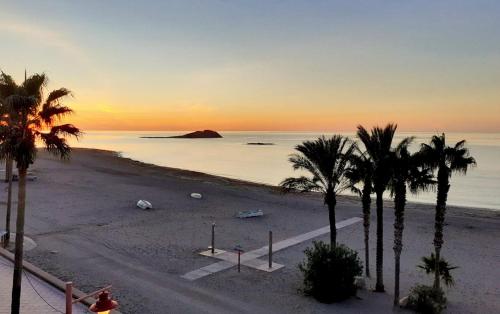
<point>329,273</point>
<point>427,300</point>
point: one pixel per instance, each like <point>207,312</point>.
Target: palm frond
<point>378,145</point>
<point>300,184</point>
<point>56,95</point>
<point>23,119</point>
<point>21,105</point>
<point>454,158</point>
<point>301,162</point>
<point>33,86</point>
<point>49,114</point>
<point>445,268</point>
<point>421,179</point>
<point>7,85</point>
<point>56,145</point>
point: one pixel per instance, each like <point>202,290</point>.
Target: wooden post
<point>213,238</point>
<point>270,249</point>
<point>69,297</point>
<point>239,254</point>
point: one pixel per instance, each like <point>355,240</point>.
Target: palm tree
<point>30,115</point>
<point>361,172</point>
<point>407,171</point>
<point>327,160</point>
<point>7,87</point>
<point>447,160</point>
<point>445,268</point>
<point>378,144</point>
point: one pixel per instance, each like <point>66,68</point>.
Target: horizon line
<point>276,131</point>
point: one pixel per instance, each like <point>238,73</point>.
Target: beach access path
<point>83,217</point>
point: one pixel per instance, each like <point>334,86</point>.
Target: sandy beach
<point>82,215</point>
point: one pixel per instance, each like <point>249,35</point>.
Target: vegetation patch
<point>329,273</point>
<point>427,299</point>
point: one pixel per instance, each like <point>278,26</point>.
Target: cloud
<point>44,36</point>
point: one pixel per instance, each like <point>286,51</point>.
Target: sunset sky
<point>263,65</point>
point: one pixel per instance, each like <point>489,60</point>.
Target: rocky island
<point>196,134</point>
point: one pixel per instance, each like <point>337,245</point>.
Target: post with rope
<point>270,249</point>
<point>69,297</point>
<point>213,238</point>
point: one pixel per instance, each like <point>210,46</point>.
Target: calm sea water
<point>231,157</point>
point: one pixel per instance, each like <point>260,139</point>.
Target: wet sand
<point>83,217</point>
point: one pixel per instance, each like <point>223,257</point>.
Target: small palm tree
<point>378,145</point>
<point>361,173</point>
<point>407,171</point>
<point>327,160</point>
<point>445,268</point>
<point>32,119</point>
<point>447,160</point>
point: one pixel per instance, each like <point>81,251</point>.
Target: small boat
<point>250,213</point>
<point>142,204</point>
<point>196,195</point>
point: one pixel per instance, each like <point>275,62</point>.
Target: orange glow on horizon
<point>274,120</point>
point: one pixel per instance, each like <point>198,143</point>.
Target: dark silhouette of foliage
<point>329,273</point>
<point>407,171</point>
<point>378,145</point>
<point>326,160</point>
<point>447,160</point>
<point>427,300</point>
<point>31,119</point>
<point>361,173</point>
<point>8,87</point>
<point>445,268</point>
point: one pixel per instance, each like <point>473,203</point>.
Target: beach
<point>82,214</point>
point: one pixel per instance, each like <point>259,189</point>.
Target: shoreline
<point>83,216</point>
<point>463,210</point>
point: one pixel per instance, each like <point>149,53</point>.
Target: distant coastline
<point>196,134</point>
<point>260,143</point>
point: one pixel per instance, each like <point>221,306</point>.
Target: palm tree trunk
<point>18,260</point>
<point>399,209</point>
<point>8,168</point>
<point>379,286</point>
<point>331,202</point>
<point>442,196</point>
<point>366,200</point>
<point>9,162</point>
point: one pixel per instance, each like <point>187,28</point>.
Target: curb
<point>50,279</point>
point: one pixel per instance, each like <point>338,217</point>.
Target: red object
<point>104,303</point>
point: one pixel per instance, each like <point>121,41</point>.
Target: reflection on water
<point>231,157</point>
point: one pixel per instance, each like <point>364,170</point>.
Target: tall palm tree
<point>7,87</point>
<point>327,160</point>
<point>447,160</point>
<point>361,173</point>
<point>378,145</point>
<point>408,171</point>
<point>32,119</point>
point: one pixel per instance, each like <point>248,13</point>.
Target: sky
<point>263,65</point>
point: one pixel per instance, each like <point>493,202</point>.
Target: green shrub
<point>427,300</point>
<point>329,273</point>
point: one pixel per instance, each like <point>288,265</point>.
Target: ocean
<point>231,157</point>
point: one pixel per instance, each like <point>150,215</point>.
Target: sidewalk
<point>32,292</point>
